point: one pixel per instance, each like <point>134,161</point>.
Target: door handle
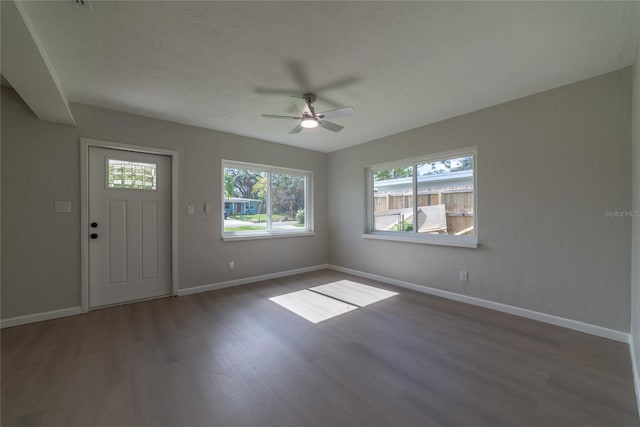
<point>94,235</point>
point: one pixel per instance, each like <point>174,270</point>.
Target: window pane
<point>445,197</point>
<point>131,175</point>
<point>244,198</point>
<point>393,199</point>
<point>287,202</point>
<point>260,199</point>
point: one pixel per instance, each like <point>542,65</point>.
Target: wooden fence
<point>460,201</point>
<point>458,205</point>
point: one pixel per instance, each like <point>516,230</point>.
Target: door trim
<point>85,143</point>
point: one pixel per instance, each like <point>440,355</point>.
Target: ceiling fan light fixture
<point>309,118</point>
<point>309,123</point>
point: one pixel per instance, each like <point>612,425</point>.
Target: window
<point>265,201</point>
<point>131,175</point>
<point>427,199</point>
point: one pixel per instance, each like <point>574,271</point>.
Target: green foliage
<point>243,228</point>
<point>257,218</point>
<point>300,216</point>
<point>259,189</point>
<point>403,226</point>
<point>429,168</point>
<point>229,184</point>
<point>243,181</point>
<point>287,194</point>
<point>286,191</point>
<point>394,173</point>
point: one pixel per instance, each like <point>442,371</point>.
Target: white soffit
<point>27,68</point>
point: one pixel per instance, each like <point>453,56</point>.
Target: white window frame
<point>269,233</point>
<point>415,237</point>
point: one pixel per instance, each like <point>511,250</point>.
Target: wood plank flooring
<point>234,358</point>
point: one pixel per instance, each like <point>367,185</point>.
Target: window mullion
<point>415,198</point>
<point>268,197</point>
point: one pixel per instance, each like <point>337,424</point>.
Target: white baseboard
<point>39,317</point>
<point>245,280</point>
<point>634,366</point>
<point>517,311</point>
<point>48,315</point>
<point>510,309</point>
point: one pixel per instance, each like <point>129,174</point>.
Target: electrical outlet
<point>232,265</point>
<point>189,209</point>
<point>464,276</point>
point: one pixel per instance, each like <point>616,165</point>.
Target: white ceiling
<point>399,64</point>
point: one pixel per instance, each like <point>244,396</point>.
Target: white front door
<point>129,226</point>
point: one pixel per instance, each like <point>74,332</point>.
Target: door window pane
<point>131,175</point>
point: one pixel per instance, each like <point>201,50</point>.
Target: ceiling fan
<point>310,119</point>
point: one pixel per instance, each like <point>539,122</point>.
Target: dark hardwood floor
<point>234,358</point>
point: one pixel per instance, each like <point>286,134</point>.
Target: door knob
<point>94,224</point>
<point>94,235</point>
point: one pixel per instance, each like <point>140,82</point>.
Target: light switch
<point>207,208</point>
<point>62,206</point>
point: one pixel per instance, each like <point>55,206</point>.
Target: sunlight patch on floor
<point>333,299</point>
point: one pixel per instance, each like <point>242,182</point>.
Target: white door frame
<point>85,143</point>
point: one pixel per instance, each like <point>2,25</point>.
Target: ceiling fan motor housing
<point>310,119</point>
<point>309,98</point>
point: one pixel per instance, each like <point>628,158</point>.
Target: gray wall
<point>548,167</point>
<point>41,164</point>
<point>635,256</point>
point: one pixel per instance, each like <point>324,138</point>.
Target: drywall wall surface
<point>41,164</point>
<point>40,249</point>
<point>548,167</point>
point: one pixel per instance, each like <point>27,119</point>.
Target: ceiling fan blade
<point>347,81</point>
<point>272,91</point>
<point>301,104</point>
<point>333,127</point>
<point>273,116</point>
<point>296,129</point>
<point>338,112</point>
<point>299,75</point>
<point>329,101</point>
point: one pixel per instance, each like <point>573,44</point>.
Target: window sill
<point>471,242</point>
<point>237,237</point>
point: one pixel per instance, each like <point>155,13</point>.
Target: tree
<point>394,173</point>
<point>228,184</point>
<point>243,181</point>
<point>287,194</point>
<point>259,190</point>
